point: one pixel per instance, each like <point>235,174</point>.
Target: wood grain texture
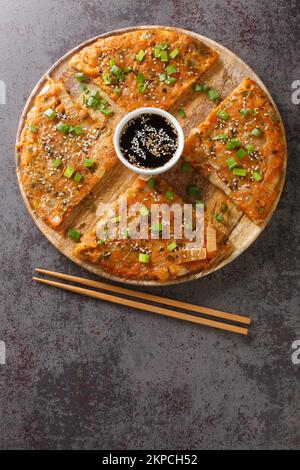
<point>225,75</point>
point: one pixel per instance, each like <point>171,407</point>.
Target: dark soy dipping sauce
<point>149,141</point>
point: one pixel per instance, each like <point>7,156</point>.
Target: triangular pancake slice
<point>241,148</point>
<point>147,258</point>
<point>151,67</point>
<point>62,157</point>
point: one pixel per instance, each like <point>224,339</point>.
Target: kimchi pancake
<point>148,258</point>
<point>152,67</point>
<point>61,155</point>
<point>241,148</point>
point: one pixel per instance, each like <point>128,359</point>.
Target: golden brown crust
<point>193,59</point>
<point>266,161</point>
<point>52,195</point>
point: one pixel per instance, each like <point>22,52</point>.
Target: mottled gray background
<point>83,374</point>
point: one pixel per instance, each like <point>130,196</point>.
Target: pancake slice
<point>61,155</point>
<point>150,255</point>
<point>145,68</point>
<point>241,148</point>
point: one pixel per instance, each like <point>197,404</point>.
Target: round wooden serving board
<point>225,75</point>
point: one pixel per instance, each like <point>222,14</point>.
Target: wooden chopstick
<point>145,307</point>
<point>151,297</point>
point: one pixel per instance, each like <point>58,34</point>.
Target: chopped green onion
<point>112,62</point>
<point>169,195</point>
<point>143,258</point>
<point>69,171</point>
<point>185,167</point>
<point>157,52</point>
<point>83,87</point>
<point>105,111</point>
<point>231,163</point>
<point>157,227</point>
<point>57,162</point>
<point>63,128</point>
<point>170,81</point>
<point>256,132</point>
<point>220,137</point>
<point>78,177</point>
<point>92,102</point>
<point>256,176</point>
<point>172,246</point>
<point>140,56</point>
<point>198,87</point>
<point>50,113</point>
<point>127,69</point>
<point>205,87</point>
<point>95,94</point>
<point>213,95</point>
<point>182,113</point>
<point>233,144</point>
<point>162,77</point>
<point>32,128</point>
<point>223,115</point>
<point>193,191</point>
<point>144,211</point>
<point>142,87</point>
<point>81,77</point>
<point>163,46</point>
<point>116,70</point>
<point>241,153</point>
<point>250,148</point>
<point>75,235</point>
<point>164,56</point>
<point>151,183</point>
<point>140,78</point>
<point>88,163</point>
<point>107,78</point>
<point>101,242</point>
<point>171,69</point>
<point>239,171</point>
<point>117,90</point>
<point>245,112</point>
<point>78,130</point>
<point>174,53</point>
<point>219,217</point>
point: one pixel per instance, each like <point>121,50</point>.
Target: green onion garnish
<point>239,171</point>
<point>220,137</point>
<point>78,177</point>
<point>231,163</point>
<point>88,163</point>
<point>140,78</point>
<point>171,69</point>
<point>157,52</point>
<point>75,235</point>
<point>164,56</point>
<point>256,176</point>
<point>170,80</point>
<point>63,128</point>
<point>112,62</point>
<point>193,191</point>
<point>245,112</point>
<point>172,246</point>
<point>140,56</point>
<point>169,195</point>
<point>143,258</point>
<point>162,77</point>
<point>151,183</point>
<point>144,211</point>
<point>213,95</point>
<point>57,162</point>
<point>233,144</point>
<point>107,78</point>
<point>105,111</point>
<point>32,128</point>
<point>69,171</point>
<point>78,130</point>
<point>205,87</point>
<point>219,217</point>
<point>256,132</point>
<point>182,113</point>
<point>50,113</point>
<point>250,148</point>
<point>174,53</point>
<point>92,102</point>
<point>81,77</point>
<point>101,242</point>
<point>185,167</point>
<point>223,115</point>
<point>163,46</point>
<point>198,87</point>
<point>241,153</point>
<point>116,70</point>
<point>157,227</point>
<point>142,87</point>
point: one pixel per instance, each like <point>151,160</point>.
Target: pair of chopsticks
<point>228,317</point>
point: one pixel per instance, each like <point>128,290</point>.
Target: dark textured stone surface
<point>82,374</point>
